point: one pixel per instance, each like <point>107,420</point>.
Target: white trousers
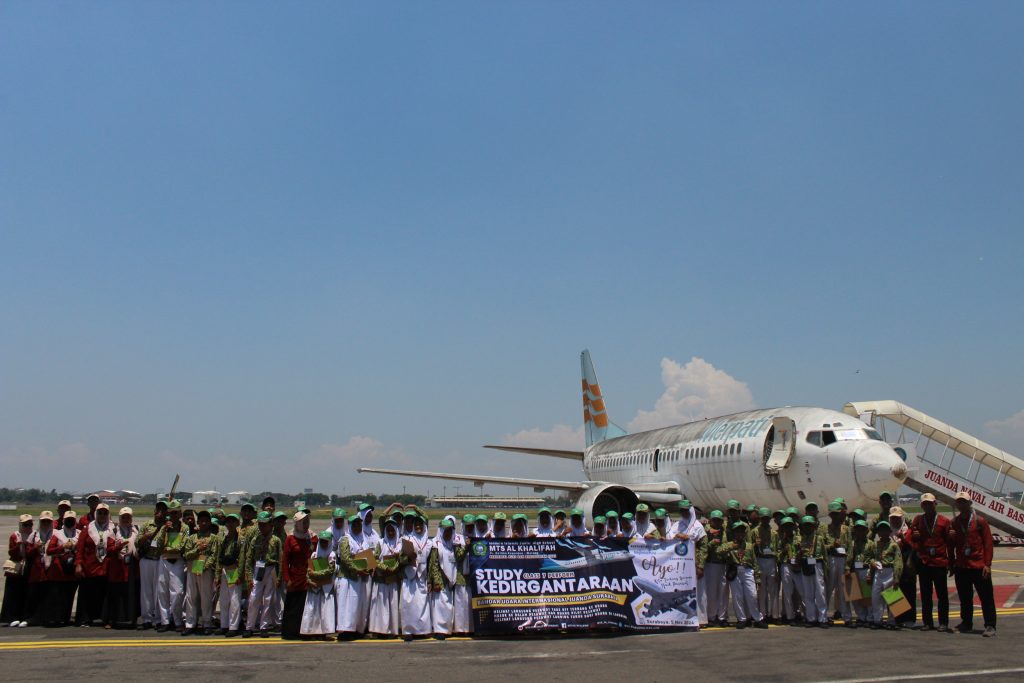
<point>261,601</point>
<point>768,589</point>
<point>199,600</point>
<point>790,581</point>
<point>384,599</point>
<point>883,581</point>
<point>714,580</point>
<point>463,611</point>
<point>277,606</point>
<point>171,591</point>
<point>702,600</point>
<point>835,588</point>
<point>149,586</point>
<point>744,595</point>
<point>813,591</point>
<point>442,611</point>
<point>230,603</point>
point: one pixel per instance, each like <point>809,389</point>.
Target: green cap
<point>611,513</point>
<point>500,515</point>
<point>881,524</point>
<point>684,504</point>
<point>575,512</point>
<point>411,514</point>
<point>263,516</point>
<point>626,515</point>
<point>812,504</point>
<point>354,518</point>
<point>234,517</point>
<point>559,512</point>
<point>213,511</point>
<point>543,510</point>
<point>280,515</point>
<point>859,512</point>
<point>840,500</point>
<point>325,535</point>
<point>600,519</point>
<point>861,522</point>
<point>365,506</point>
<point>716,514</point>
<point>446,523</point>
<point>339,513</point>
<point>792,511</point>
<point>660,513</point>
<point>516,518</point>
<point>173,505</point>
<point>751,508</point>
<point>764,512</point>
<point>642,507</point>
<point>807,519</point>
<point>835,507</point>
<point>468,518</point>
<point>480,518</point>
<point>740,524</point>
<point>733,504</point>
<point>786,520</point>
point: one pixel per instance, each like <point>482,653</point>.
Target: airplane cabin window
<point>814,438</point>
<point>732,449</point>
<point>739,448</point>
<point>828,438</point>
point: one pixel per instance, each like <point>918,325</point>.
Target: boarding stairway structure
<point>944,460</point>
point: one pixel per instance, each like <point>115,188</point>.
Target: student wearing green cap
<point>811,553</point>
<point>836,536</point>
<point>659,525</point>
<point>339,523</point>
<point>280,522</point>
<point>559,522</point>
<point>387,577</point>
<point>520,526</point>
<point>642,520</point>
<point>352,586</point>
<point>200,565</point>
<point>612,517</point>
<point>482,527</point>
<point>858,562</point>
<point>171,587</point>
<point>499,528</point>
<point>765,542</point>
<point>544,528</point>
<point>886,567</point>
<point>626,524</point>
<point>319,612</point>
<point>443,574</point>
<point>414,605</point>
<point>714,570</point>
<point>577,526</point>
<point>468,525</point>
<point>149,566</point>
<point>741,570</point>
<point>262,561</point>
<point>600,532</point>
<point>227,551</point>
<point>688,528</point>
<point>789,571</point>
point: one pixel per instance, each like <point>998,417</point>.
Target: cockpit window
<point>874,435</point>
<point>814,438</point>
<point>828,438</point>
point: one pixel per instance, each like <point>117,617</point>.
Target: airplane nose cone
<point>878,468</point>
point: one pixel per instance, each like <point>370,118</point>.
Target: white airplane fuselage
<point>724,458</point>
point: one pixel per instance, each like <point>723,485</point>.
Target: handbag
<point>12,568</point>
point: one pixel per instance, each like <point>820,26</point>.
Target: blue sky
<point>262,244</point>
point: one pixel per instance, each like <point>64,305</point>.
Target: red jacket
<point>932,545</point>
<point>37,569</point>
<point>85,520</point>
<point>295,561</point>
<point>117,568</point>
<point>971,541</point>
<point>85,556</point>
<point>14,547</point>
<point>56,549</point>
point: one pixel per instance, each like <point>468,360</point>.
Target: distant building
<point>236,497</point>
<point>205,498</point>
<point>464,502</point>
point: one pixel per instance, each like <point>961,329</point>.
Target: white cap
<point>125,511</point>
<point>25,518</point>
<point>300,515</point>
<point>927,498</point>
<point>963,495</point>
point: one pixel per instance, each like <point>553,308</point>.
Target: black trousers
<point>908,584</point>
<point>968,581</point>
<point>91,593</point>
<point>291,617</point>
<point>15,605</point>
<point>934,578</point>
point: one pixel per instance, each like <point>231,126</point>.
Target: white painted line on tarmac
<point>919,677</point>
<point>546,655</point>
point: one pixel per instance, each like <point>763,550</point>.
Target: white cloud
<point>692,392</point>
<point>359,451</point>
<point>1009,431</point>
<point>559,437</point>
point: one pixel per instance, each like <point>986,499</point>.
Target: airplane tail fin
<point>595,415</point>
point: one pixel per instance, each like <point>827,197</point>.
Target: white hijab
<point>37,537</point>
<point>690,525</point>
<point>580,530</point>
<point>99,537</point>
<point>130,535</point>
<point>368,531</point>
<point>357,543</point>
<point>385,545</point>
<point>421,544</point>
<point>544,531</point>
<point>457,538</point>
<point>642,529</point>
<point>526,526</point>
<point>446,553</point>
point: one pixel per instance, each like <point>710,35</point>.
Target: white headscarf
<point>337,534</point>
<point>544,531</point>
<point>526,525</point>
<point>356,542</point>
<point>322,551</point>
<point>642,529</point>
<point>580,530</point>
<point>38,537</point>
<point>690,525</point>
<point>129,535</point>
<point>99,537</point>
<point>387,546</point>
<point>421,544</point>
<point>457,538</point>
<point>368,531</point>
<point>446,553</point>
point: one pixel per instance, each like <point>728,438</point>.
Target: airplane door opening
<point>779,445</point>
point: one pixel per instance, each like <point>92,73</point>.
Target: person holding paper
<point>91,567</point>
<point>899,532</point>
<point>171,584</point>
<point>837,540</point>
<point>387,577</point>
<point>319,614</point>
<point>352,586</point>
<point>121,609</point>
<point>414,606</point>
<point>369,533</point>
<point>886,567</point>
<point>262,560</point>
<point>294,568</point>
<point>200,566</point>
<point>149,567</point>
<point>858,561</point>
<point>687,528</point>
<point>811,555</point>
<point>443,575</point>
<point>61,549</point>
<point>226,550</point>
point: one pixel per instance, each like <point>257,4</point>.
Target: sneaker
<point>264,633</point>
<point>231,634</point>
<point>187,632</point>
<point>943,628</point>
<point>761,624</point>
<point>247,633</point>
<point>22,624</point>
<point>162,628</point>
<point>990,631</point>
<point>741,624</point>
<point>964,628</point>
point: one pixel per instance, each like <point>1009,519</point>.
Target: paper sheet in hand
<point>365,560</point>
<point>896,601</point>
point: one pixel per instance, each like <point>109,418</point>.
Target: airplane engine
<point>601,499</point>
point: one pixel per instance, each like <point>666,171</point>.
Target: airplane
<point>589,556</point>
<point>663,601</point>
<point>775,457</point>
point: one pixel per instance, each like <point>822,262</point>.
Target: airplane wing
<point>550,452</point>
<point>537,485</point>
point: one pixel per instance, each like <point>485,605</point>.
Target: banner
<point>548,584</point>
